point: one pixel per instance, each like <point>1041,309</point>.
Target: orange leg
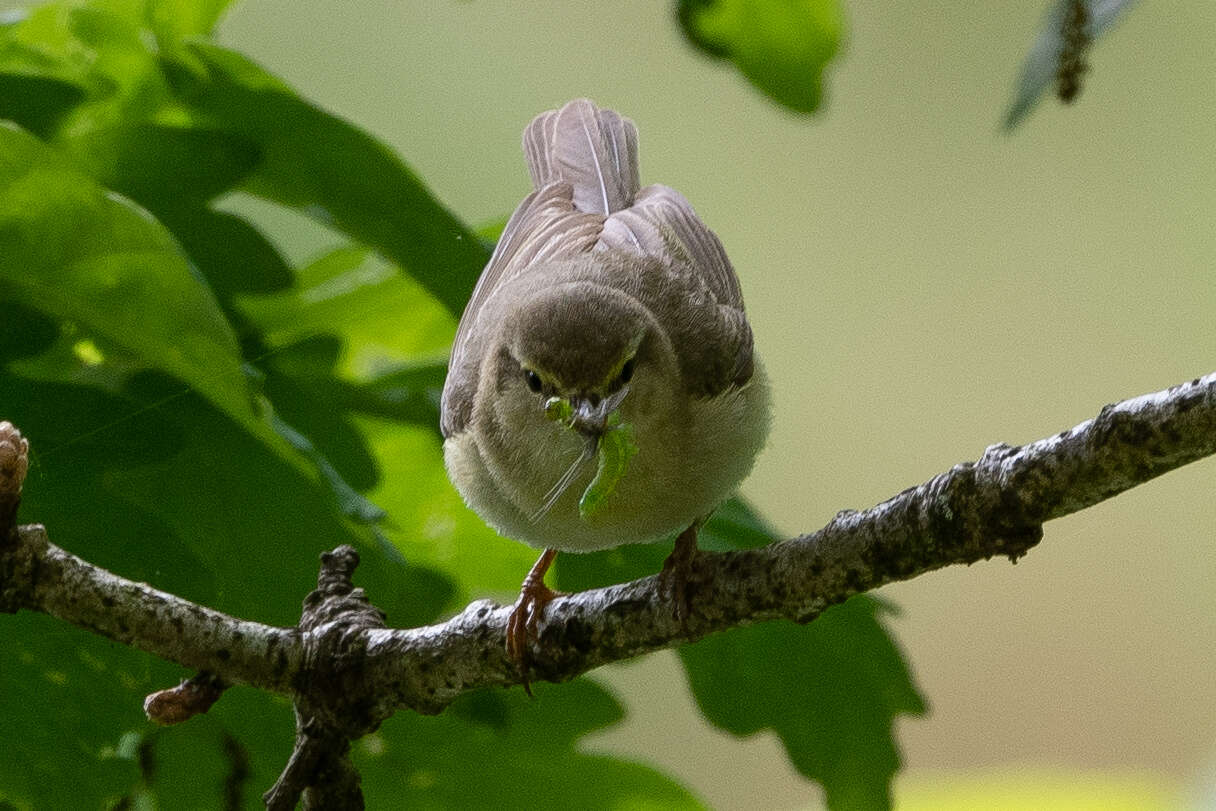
<point>534,595</point>
<point>673,579</point>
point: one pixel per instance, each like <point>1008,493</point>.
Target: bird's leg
<point>534,595</point>
<point>673,579</point>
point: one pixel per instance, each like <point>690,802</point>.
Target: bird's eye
<point>533,380</point>
<point>626,373</point>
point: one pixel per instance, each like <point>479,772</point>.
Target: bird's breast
<point>689,458</point>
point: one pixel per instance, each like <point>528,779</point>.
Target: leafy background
<point>920,287</point>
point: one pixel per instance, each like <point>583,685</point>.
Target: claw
<point>524,622</point>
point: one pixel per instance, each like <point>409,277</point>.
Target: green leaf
<point>429,523</point>
<point>359,359</point>
<point>831,690</point>
<point>735,525</point>
<point>224,759</point>
<point>97,91</point>
<point>386,320</point>
<point>781,46</point>
<point>173,170</point>
<point>67,706</point>
<point>37,103</point>
<point>101,48</point>
<point>97,262</point>
<point>174,20</point>
<point>169,20</point>
<point>352,335</point>
<point>163,165</point>
<point>410,394</point>
<point>103,52</point>
<point>120,285</point>
<point>333,172</point>
<point>503,750</point>
<point>234,256</point>
<point>179,497</point>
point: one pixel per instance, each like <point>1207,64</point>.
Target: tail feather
<point>592,149</point>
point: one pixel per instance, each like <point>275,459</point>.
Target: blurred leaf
<point>502,750</point>
<point>25,332</point>
<point>67,705</point>
<point>735,525</point>
<point>130,135</point>
<point>224,759</point>
<point>234,256</point>
<point>181,498</point>
<point>1042,63</point>
<point>410,394</point>
<point>40,42</point>
<point>175,170</point>
<point>164,165</point>
<point>100,47</point>
<point>360,353</point>
<point>350,502</point>
<point>72,250</point>
<point>386,320</point>
<point>177,19</point>
<point>169,20</point>
<point>333,172</point>
<point>781,46</point>
<point>352,334</point>
<point>103,52</point>
<point>831,690</point>
<point>37,103</point>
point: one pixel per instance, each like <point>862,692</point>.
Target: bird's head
<point>576,353</point>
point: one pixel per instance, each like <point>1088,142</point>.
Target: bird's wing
<point>544,227</point>
<point>714,341</point>
<point>661,223</point>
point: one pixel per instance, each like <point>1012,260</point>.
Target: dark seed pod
<point>1076,41</point>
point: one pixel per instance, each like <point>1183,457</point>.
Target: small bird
<point>602,388</point>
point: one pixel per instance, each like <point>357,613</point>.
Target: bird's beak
<point>590,417</point>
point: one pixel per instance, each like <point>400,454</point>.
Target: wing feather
<point>661,223</point>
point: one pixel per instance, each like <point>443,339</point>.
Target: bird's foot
<point>673,579</point>
<point>525,617</point>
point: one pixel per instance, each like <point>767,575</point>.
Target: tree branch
<point>37,575</point>
<point>348,673</point>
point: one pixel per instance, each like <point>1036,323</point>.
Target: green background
<point>920,286</point>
